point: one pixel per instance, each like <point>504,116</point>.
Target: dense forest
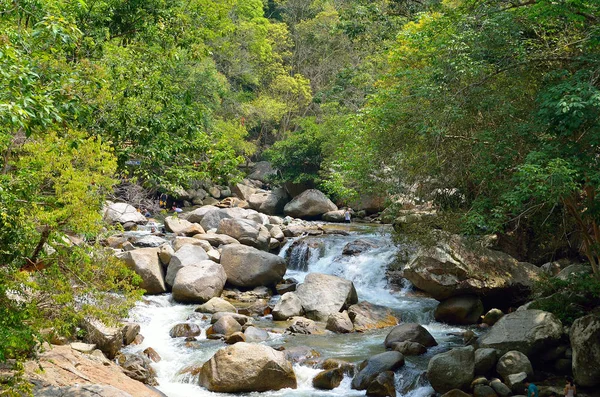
<point>490,108</point>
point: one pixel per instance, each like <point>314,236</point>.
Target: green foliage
<point>567,299</point>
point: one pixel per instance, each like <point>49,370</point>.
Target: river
<point>158,314</point>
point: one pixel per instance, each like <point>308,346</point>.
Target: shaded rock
<point>372,367</point>
<point>185,256</point>
<point>254,334</point>
<point>452,269</point>
<point>514,362</point>
<point>275,232</point>
<point>288,306</point>
<point>358,246</point>
<point>246,231</point>
<point>236,337</point>
<point>453,369</point>
<point>145,263</point>
<point>212,218</point>
<point>216,305</point>
<point>309,204</point>
<point>284,287</point>
<point>130,331</point>
<point>123,213</point>
<point>152,354</point>
<point>483,391</point>
<point>322,295</point>
<point>572,270</point>
<point>366,316</point>
<point>138,367</point>
<point>246,367</point>
<point>485,360</point>
<point>516,382</point>
<point>304,326</point>
<point>301,354</point>
<point>462,310</point>
<point>199,283</point>
<point>409,332</point>
<point>149,241</point>
<point>492,317</point>
<point>248,267</point>
<point>226,325</point>
<point>270,203</point>
<point>527,331</point>
<point>339,323</point>
<point>107,339</point>
<point>185,330</point>
<point>332,363</point>
<point>329,379</point>
<point>383,385</point>
<point>196,215</point>
<point>585,343</point>
<point>262,171</point>
<point>408,348</point>
<point>500,388</point>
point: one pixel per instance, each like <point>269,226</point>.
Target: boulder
<point>485,361</point>
<point>483,391</point>
<point>339,323</point>
<point>453,268</point>
<point>149,241</point>
<point>309,204</point>
<point>516,382</point>
<point>275,232</point>
<point>332,363</point>
<point>254,334</point>
<point>199,282</point>
<point>461,310</point>
<point>573,270</point>
<point>366,316</point>
<point>453,369</point>
<point>409,332</point>
<point>301,354</point>
<point>236,337</point>
<point>179,242</point>
<point>329,379</point>
<point>357,247</point>
<point>240,318</point>
<point>257,217</point>
<point>270,203</point>
<point>456,393</point>
<point>243,190</point>
<point>334,216</point>
<point>216,305</point>
<point>226,325</point>
<point>187,255</point>
<point>248,267</point>
<point>145,263</point>
<point>86,348</point>
<point>196,215</point>
<point>514,362</point>
<point>185,330</point>
<point>527,331</point>
<point>371,368</point>
<point>500,388</point>
<point>383,385</point>
<point>263,171</point>
<point>585,342</point>
<point>165,252</point>
<point>123,213</point>
<point>322,295</point>
<point>176,225</point>
<point>245,367</point>
<point>130,331</point>
<point>107,339</point>
<point>492,317</point>
<point>152,354</point>
<point>216,240</point>
<point>288,306</point>
<point>212,218</point>
<point>138,367</point>
<point>246,231</point>
<point>408,348</point>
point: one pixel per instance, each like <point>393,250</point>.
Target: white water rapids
<point>158,314</point>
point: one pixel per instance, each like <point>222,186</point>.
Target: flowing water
<point>320,254</point>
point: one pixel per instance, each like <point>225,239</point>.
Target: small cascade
<point>298,255</point>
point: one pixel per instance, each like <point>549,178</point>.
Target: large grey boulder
<point>246,231</point>
<point>585,342</point>
<point>309,204</point>
<point>527,331</point>
<point>123,213</point>
<point>271,202</point>
<point>262,171</point>
<point>456,267</point>
<point>514,362</point>
<point>288,306</point>
<point>322,295</point>
<point>339,323</point>
<point>485,361</point>
<point>245,367</point>
<point>186,256</point>
<point>212,218</point>
<point>196,215</point>
<point>243,190</point>
<point>409,332</point>
<point>453,369</point>
<point>178,225</point>
<point>248,267</point>
<point>371,368</point>
<point>461,310</point>
<point>366,316</point>
<point>146,264</point>
<point>199,282</point>
<point>149,241</point>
